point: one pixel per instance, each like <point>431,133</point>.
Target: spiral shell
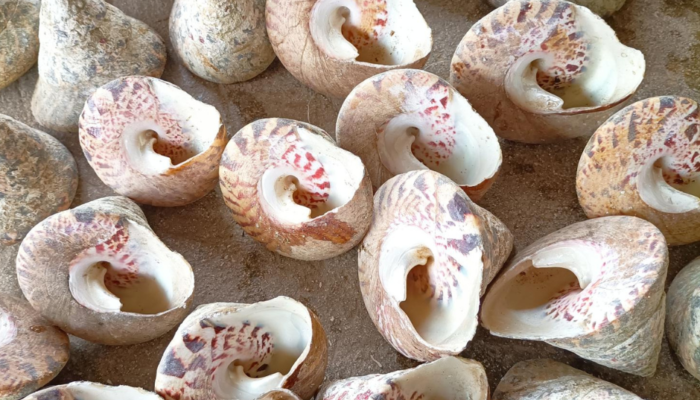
<point>92,391</point>
<point>19,38</point>
<point>604,8</point>
<point>683,317</point>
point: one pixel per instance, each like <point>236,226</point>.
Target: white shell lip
<point>96,391</point>
<point>400,18</point>
<point>659,194</point>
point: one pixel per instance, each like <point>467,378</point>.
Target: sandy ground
<point>534,195</point>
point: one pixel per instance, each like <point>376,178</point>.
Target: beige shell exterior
<point>609,168</point>
<point>92,391</point>
<point>44,261</point>
<point>38,177</point>
<point>604,8</point>
<point>35,355</point>
<point>433,203</point>
<point>199,349</point>
<point>245,160</point>
<point>546,379</point>
<point>622,311</point>
<point>290,35</point>
<point>486,53</point>
<point>683,317</point>
<point>122,102</point>
<point>221,41</point>
<point>375,101</point>
<point>19,38</point>
<point>84,45</point>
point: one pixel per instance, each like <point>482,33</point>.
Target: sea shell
<point>294,191</point>
<point>38,177</point>
<point>100,273</point>
<point>85,44</point>
<point>406,120</point>
<point>644,162</point>
<point>150,141</point>
<point>222,41</point>
<point>446,378</point>
<point>333,45</point>
<point>19,38</point>
<point>551,380</point>
<point>32,351</point>
<point>93,391</point>
<point>244,352</point>
<point>426,261</point>
<point>540,71</point>
<point>683,317</point>
<point>604,8</point>
<point>595,288</point>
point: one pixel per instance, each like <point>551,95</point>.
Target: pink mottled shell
<point>682,319</point>
<point>92,391</point>
<point>604,8</point>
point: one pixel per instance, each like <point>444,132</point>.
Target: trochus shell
<point>604,8</point>
<point>19,38</point>
<point>683,317</point>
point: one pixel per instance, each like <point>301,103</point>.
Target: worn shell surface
<point>546,379</point>
<point>19,38</point>
<point>84,45</point>
<point>540,71</point>
<point>221,41</point>
<point>604,8</point>
<point>683,317</point>
<point>446,378</point>
<point>644,162</point>
<point>38,177</point>
<point>333,45</point>
<point>406,120</point>
<point>595,288</point>
<point>294,191</point>
<point>245,352</point>
<point>152,142</point>
<point>92,391</point>
<point>32,351</point>
<point>100,273</point>
<point>426,261</point>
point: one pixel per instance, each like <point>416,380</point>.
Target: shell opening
<point>545,295</point>
<point>456,142</point>
<point>131,272</point>
<point>591,70</point>
<point>319,178</point>
<point>445,378</point>
<point>8,328</point>
<point>96,391</point>
<point>385,32</point>
<point>665,187</point>
<point>440,300</point>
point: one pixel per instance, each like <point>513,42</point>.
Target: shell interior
<point>446,378</point>
<point>95,391</point>
<point>181,129</point>
<point>587,68</point>
<point>385,32</point>
<point>132,271</point>
<point>457,142</point>
<point>316,177</point>
<point>440,301</point>
<point>8,328</point>
<point>668,197</point>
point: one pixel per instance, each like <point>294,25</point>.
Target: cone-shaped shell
<point>644,161</point>
<point>405,120</point>
<point>683,317</point>
<point>93,391</point>
<point>551,380</point>
<point>100,273</point>
<point>446,378</point>
<point>32,351</point>
<point>595,288</point>
<point>85,44</point>
<point>19,38</point>
<point>221,41</point>
<point>604,8</point>
<point>152,142</point>
<point>333,45</point>
<point>244,352</point>
<point>38,177</point>
<point>540,71</point>
<point>426,261</point>
<point>294,191</point>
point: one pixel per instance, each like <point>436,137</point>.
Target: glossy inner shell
<point>440,299</point>
<point>580,67</point>
<point>132,271</point>
<point>8,328</point>
<point>385,32</point>
<point>178,129</point>
<point>447,378</point>
<point>93,391</point>
<point>443,134</point>
<point>312,177</point>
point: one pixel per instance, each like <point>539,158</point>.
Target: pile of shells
<point>412,154</point>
